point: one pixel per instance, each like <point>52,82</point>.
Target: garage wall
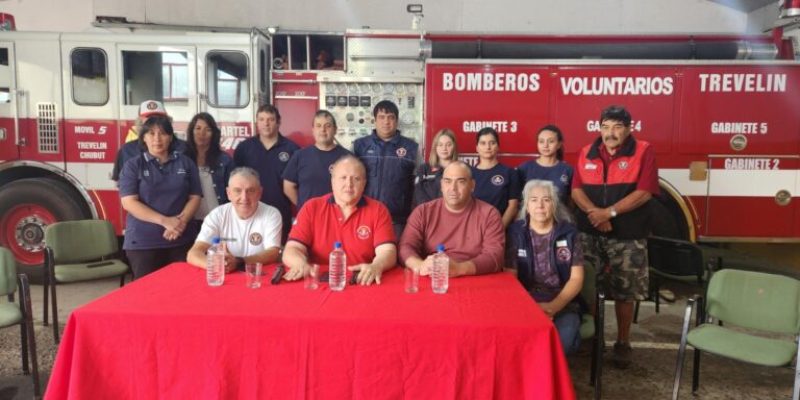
<point>519,16</point>
<point>50,15</point>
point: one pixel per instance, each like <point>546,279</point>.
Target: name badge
<point>590,166</point>
<point>522,253</point>
<point>561,243</point>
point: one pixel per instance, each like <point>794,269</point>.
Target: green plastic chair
<point>592,327</point>
<point>755,301</point>
<point>12,313</point>
<point>79,251</point>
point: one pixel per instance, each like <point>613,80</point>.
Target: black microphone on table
<point>278,274</point>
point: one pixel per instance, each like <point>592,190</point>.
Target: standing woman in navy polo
<point>550,164</point>
<point>215,165</point>
<point>428,183</point>
<point>495,183</point>
<point>160,190</point>
<point>268,152</point>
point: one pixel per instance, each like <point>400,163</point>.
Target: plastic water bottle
<point>337,267</point>
<point>441,271</point>
<point>215,263</point>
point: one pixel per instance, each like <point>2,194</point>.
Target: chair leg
<point>600,342</point>
<point>24,345</point>
<point>25,301</point>
<point>696,371</point>
<point>54,305</point>
<point>593,369</point>
<point>682,350</point>
<point>122,279</point>
<point>657,295</point>
<point>796,390</point>
<point>636,312</point>
<point>45,293</point>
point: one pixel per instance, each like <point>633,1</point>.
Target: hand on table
<point>294,273</point>
<point>367,273</point>
<point>230,261</point>
<point>427,266</point>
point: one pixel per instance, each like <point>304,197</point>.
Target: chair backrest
<point>8,272</point>
<point>755,300</point>
<point>79,241</point>
<point>675,257</point>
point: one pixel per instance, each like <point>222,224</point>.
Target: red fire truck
<point>720,110</point>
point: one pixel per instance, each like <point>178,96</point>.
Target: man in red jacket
<point>615,177</point>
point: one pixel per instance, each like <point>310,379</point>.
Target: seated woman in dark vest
<point>544,247</point>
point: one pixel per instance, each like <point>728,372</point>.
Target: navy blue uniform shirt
<point>390,171</point>
<point>560,174</point>
<point>309,168</point>
<point>497,185</point>
<point>269,164</point>
<point>133,149</point>
<point>163,187</point>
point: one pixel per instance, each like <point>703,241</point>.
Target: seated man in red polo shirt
<point>363,226</point>
<point>471,230</point>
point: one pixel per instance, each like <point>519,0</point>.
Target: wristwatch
<point>613,212</point>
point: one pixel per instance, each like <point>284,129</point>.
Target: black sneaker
<point>622,355</point>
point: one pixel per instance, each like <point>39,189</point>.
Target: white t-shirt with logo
<point>243,237</point>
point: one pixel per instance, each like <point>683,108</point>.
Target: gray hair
<point>560,211</point>
<point>246,172</point>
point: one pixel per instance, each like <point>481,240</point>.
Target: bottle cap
<point>215,240</point>
<point>337,245</point>
<point>440,247</point>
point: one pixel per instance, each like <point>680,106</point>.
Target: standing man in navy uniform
<point>308,173</point>
<point>268,153</point>
<point>390,159</point>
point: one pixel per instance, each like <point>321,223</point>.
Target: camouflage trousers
<point>620,264</point>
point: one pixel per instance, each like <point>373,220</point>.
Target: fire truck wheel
<point>27,206</point>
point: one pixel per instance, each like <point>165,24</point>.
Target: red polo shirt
<point>320,223</point>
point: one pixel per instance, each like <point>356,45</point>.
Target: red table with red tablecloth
<point>170,336</point>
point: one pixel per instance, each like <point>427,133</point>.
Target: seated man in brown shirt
<point>471,230</point>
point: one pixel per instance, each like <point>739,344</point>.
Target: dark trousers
<point>143,262</point>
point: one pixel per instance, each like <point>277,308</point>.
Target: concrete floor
<point>655,341</point>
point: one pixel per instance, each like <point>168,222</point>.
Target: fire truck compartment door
<point>9,112</point>
<point>92,131</point>
<point>227,90</point>
<point>262,68</point>
<point>752,196</point>
<point>163,72</point>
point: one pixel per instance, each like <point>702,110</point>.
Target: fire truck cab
<point>67,101</point>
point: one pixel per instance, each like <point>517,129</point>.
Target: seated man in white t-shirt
<point>250,229</point>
